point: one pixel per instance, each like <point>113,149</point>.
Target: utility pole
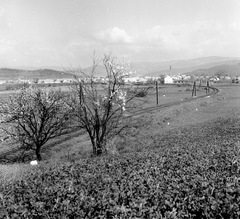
<point>157,92</point>
<point>194,90</point>
<point>207,87</point>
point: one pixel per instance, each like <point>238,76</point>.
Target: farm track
<point>13,152</point>
<point>162,106</point>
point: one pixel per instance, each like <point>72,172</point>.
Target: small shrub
<point>137,93</point>
<point>142,93</point>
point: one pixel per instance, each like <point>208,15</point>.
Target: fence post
<point>157,92</point>
<point>194,90</point>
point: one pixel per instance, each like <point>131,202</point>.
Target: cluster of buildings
<point>137,80</point>
<point>179,79</point>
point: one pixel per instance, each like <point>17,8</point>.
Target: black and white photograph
<point>116,109</point>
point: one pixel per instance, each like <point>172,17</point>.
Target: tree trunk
<point>99,148</point>
<point>99,151</point>
<point>38,154</point>
<point>93,145</point>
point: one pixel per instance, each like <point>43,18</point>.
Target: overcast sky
<point>66,32</point>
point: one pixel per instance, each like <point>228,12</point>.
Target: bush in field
<point>16,86</point>
<point>100,109</point>
<point>142,93</point>
<point>138,92</point>
<point>33,116</point>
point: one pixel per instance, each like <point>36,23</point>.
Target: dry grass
<point>12,172</point>
<point>166,94</point>
<point>72,149</point>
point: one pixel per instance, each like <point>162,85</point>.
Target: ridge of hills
<point>185,66</point>
<point>10,74</point>
<point>177,66</point>
<point>212,65</point>
<point>219,70</point>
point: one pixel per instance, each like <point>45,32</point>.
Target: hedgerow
<point>189,174</point>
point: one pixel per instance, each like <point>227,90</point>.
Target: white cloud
<point>202,38</point>
<point>199,38</point>
<point>114,35</point>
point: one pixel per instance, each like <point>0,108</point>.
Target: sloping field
<point>189,173</point>
<point>166,95</point>
<point>186,164</point>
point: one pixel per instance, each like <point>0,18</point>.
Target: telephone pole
<point>157,92</point>
<point>194,90</point>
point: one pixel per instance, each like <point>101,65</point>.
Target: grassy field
<point>165,119</point>
<point>185,164</point>
<point>166,94</point>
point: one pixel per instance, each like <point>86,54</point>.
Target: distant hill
<point>206,65</point>
<point>10,74</point>
<point>220,70</point>
<point>181,66</point>
<point>177,66</point>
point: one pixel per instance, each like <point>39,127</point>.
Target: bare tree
<point>99,109</point>
<point>33,116</point>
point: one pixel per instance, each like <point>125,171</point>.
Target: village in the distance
<point>129,80</point>
<point>212,69</point>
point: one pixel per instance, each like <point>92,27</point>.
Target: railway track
<point>70,134</point>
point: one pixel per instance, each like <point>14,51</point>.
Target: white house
<point>22,81</point>
<point>2,81</point>
<point>227,78</point>
<point>168,80</point>
<point>134,80</point>
<point>48,81</point>
<point>68,80</point>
